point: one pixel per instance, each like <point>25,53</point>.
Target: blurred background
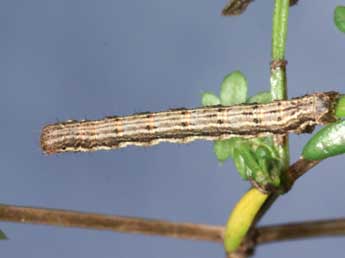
<point>89,59</point>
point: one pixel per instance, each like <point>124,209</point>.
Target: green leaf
<point>3,236</point>
<point>328,142</point>
<point>261,97</point>
<point>240,164</point>
<point>224,149</point>
<point>241,218</point>
<point>233,89</point>
<point>261,153</point>
<point>245,162</point>
<point>209,99</point>
<point>340,108</point>
<point>339,18</point>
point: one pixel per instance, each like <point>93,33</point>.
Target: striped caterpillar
<point>298,115</point>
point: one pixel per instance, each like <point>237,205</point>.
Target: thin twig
<point>64,218</point>
<point>308,229</point>
<point>262,235</point>
<point>298,169</point>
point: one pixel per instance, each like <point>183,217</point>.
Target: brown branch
<point>298,169</point>
<point>64,218</point>
<point>308,229</point>
<point>290,231</point>
<point>262,235</point>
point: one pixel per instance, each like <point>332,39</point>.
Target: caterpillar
<point>298,115</point>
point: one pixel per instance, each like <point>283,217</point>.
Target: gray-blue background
<point>72,59</point>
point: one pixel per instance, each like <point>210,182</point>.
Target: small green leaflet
<point>225,149</point>
<point>3,236</point>
<point>209,99</point>
<point>261,97</point>
<point>340,108</point>
<point>233,89</point>
<point>339,18</point>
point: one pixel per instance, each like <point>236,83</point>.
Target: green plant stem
<point>278,86</point>
<point>278,71</point>
<point>280,24</point>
